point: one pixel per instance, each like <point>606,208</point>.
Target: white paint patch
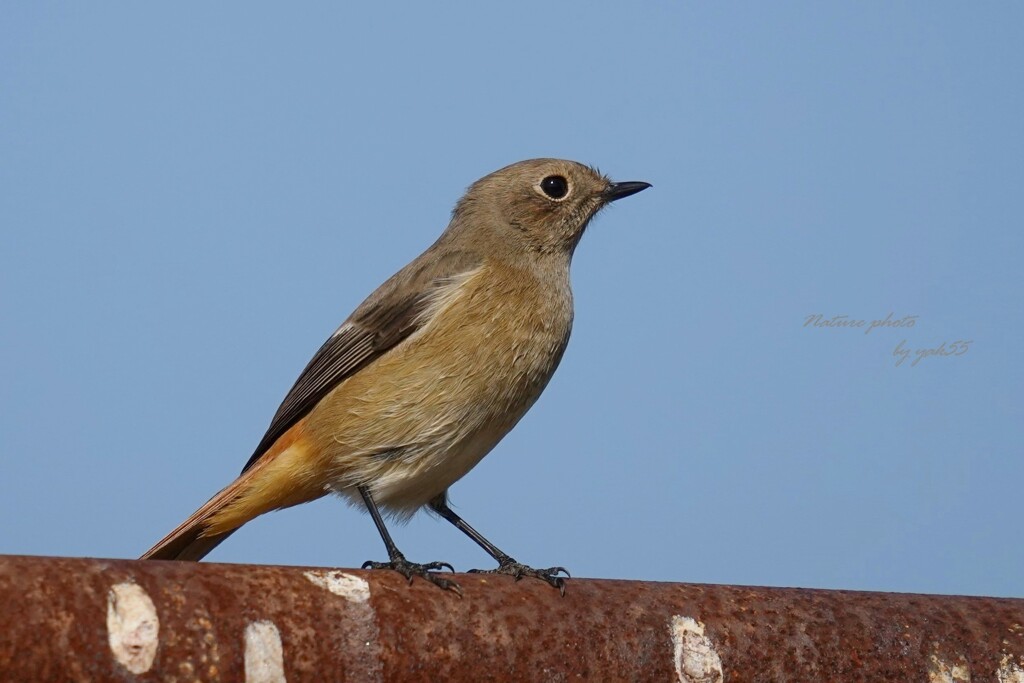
<point>352,588</point>
<point>695,656</point>
<point>133,627</point>
<point>940,671</point>
<point>1009,671</point>
<point>357,634</point>
<point>264,656</point>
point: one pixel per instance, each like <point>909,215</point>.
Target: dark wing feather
<point>384,320</point>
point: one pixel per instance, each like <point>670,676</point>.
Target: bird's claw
<point>518,570</point>
<point>425,570</point>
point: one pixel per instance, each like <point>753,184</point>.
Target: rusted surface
<point>99,620</point>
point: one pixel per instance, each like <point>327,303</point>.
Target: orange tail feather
<point>284,476</point>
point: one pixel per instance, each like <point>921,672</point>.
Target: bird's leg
<point>397,561</point>
<point>506,565</point>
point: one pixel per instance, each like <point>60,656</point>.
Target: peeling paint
<point>361,627</point>
<point>695,657</point>
<point>264,656</point>
<point>133,628</point>
<point>348,586</point>
<point>940,671</point>
<point>1010,671</point>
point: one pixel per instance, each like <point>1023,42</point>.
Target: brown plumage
<point>431,371</point>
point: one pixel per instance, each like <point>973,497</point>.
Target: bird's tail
<point>282,477</point>
<point>192,540</point>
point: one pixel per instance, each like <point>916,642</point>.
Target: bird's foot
<point>410,569</point>
<point>518,570</point>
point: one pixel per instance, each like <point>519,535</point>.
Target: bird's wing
<point>384,320</point>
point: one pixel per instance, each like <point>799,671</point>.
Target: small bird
<point>429,372</point>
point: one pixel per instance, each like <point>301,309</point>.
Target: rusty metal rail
<point>98,620</point>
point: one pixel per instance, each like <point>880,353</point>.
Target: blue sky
<point>194,197</point>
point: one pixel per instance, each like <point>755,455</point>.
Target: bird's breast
<point>488,351</point>
<point>417,419</point>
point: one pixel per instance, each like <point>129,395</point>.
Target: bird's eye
<point>555,186</point>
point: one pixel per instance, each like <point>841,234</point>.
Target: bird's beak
<point>616,191</point>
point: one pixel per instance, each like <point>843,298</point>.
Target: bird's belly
<point>419,418</point>
<point>419,475</point>
<point>410,445</point>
